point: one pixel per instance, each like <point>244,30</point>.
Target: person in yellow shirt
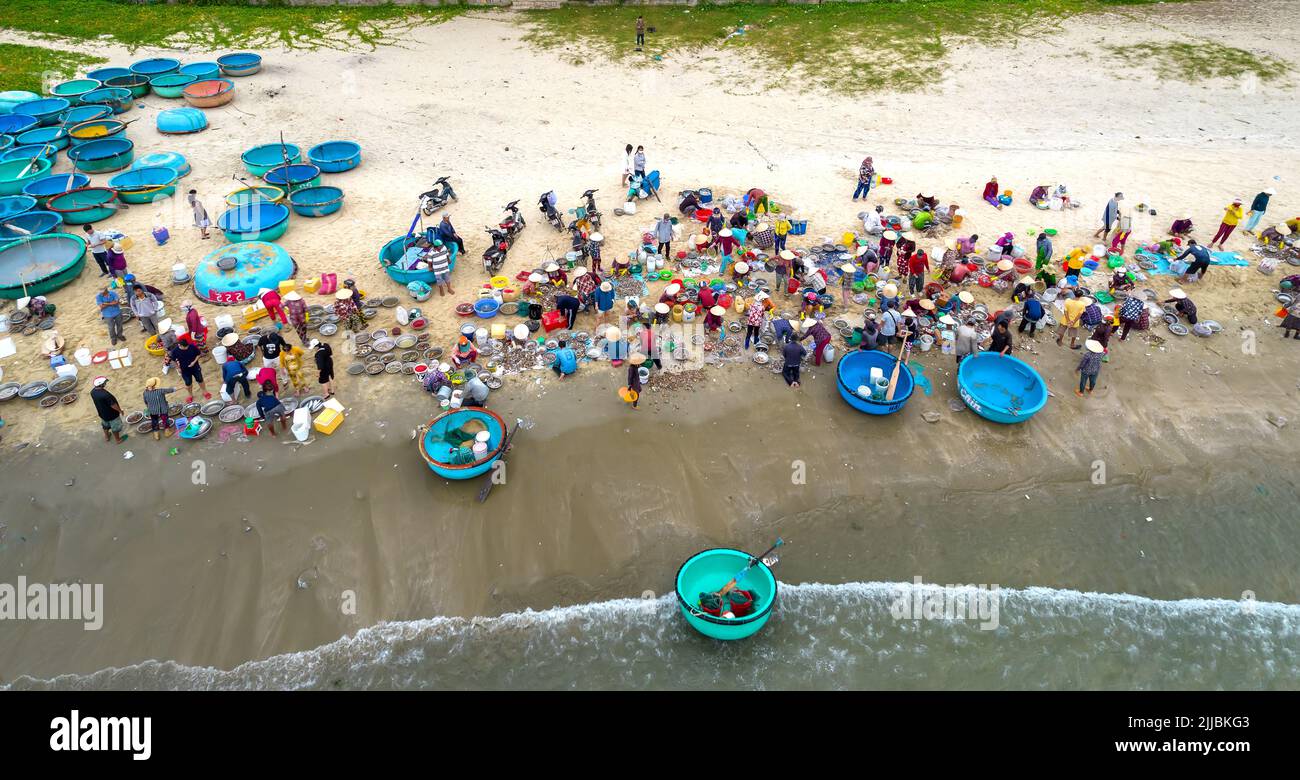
<point>1070,321</point>
<point>781,228</point>
<point>1231,217</point>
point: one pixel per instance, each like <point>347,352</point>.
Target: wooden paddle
<point>893,376</point>
<point>730,586</point>
<point>490,481</point>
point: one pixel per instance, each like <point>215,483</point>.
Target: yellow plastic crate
<point>328,421</point>
<point>288,286</point>
<point>311,285</point>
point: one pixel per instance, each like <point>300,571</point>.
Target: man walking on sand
<point>1109,216</point>
<point>108,409</point>
<point>640,32</point>
<point>201,220</point>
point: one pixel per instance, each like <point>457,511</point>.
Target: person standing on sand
<point>638,162</point>
<point>1031,314</point>
<point>664,235</point>
<point>116,259</point>
<point>627,165</point>
<point>155,403</point>
<point>1089,367</point>
<point>144,305</point>
<point>640,33</point>
<point>1130,314</point>
<point>201,220</point>
<point>110,309</point>
<point>1071,319</point>
<point>792,352</point>
<point>324,366</point>
<point>1123,229</point>
<point>186,356</point>
<point>345,308</point>
<point>440,264</point>
<point>1001,340</point>
<point>110,413</point>
<point>1108,216</point>
<point>1200,261</point>
<point>1231,216</point>
<point>296,308</point>
<point>97,243</point>
<point>967,341</point>
<point>866,177</point>
<point>1257,208</point>
<point>634,376</point>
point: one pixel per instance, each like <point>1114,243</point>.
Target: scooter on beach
<point>589,212</point>
<point>495,255</point>
<point>546,205</point>
<point>437,197</point>
<point>514,223</point>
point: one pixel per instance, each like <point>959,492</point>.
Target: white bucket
<point>481,336</point>
<point>225,321</point>
<point>219,354</point>
<point>927,342</point>
<point>67,369</point>
<point>301,426</point>
<point>82,356</point>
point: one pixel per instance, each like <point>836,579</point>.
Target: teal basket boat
<point>144,185</point>
<point>171,85</point>
<point>293,177</point>
<point>47,187</point>
<point>136,83</point>
<point>31,152</point>
<point>260,221</point>
<point>316,201</point>
<point>156,66</point>
<point>86,205</point>
<point>260,159</point>
<point>72,91</point>
<point>40,265</point>
<point>335,156</point>
<point>29,225</point>
<point>246,195</point>
<point>181,121</point>
<point>46,110</point>
<point>78,114</point>
<point>104,74</point>
<point>13,124</point>
<point>709,571</point>
<point>117,98</point>
<point>390,256</point>
<point>96,130</point>
<point>54,137</point>
<point>439,446</point>
<point>241,63</point>
<point>16,174</point>
<point>13,205</point>
<point>202,71</point>
<point>174,160</point>
<point>103,156</point>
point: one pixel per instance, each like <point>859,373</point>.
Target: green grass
<point>212,24</point>
<point>1200,60</point>
<point>31,67</point>
<point>887,44</point>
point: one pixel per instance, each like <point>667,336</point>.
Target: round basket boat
<point>95,130</point>
<point>72,91</point>
<point>137,83</point>
<point>293,177</point>
<point>854,372</point>
<point>259,221</point>
<point>29,225</point>
<point>316,201</point>
<point>6,141</point>
<point>30,152</point>
<point>335,156</point>
<point>47,187</point>
<point>103,156</point>
<point>78,114</point>
<point>46,110</point>
<point>104,74</point>
<point>85,205</point>
<point>241,63</point>
<point>174,160</point>
<point>246,195</point>
<point>171,85</point>
<point>144,185</point>
<point>390,255</point>
<point>1001,388</point>
<point>181,121</point>
<point>209,93</point>
<point>116,98</point>
<point>260,159</point>
<point>13,124</point>
<point>16,174</point>
<point>55,138</point>
<point>155,66</point>
<point>443,458</point>
<point>201,70</point>
<point>42,264</point>
<point>233,274</point>
<point>13,205</point>
<point>709,571</point>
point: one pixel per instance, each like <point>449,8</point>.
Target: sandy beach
<point>603,503</point>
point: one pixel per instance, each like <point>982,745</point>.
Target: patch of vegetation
<point>1201,60</point>
<point>858,47</point>
<point>217,24</point>
<point>28,67</point>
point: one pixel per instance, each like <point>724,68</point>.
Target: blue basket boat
<point>144,185</point>
<point>136,83</point>
<point>316,201</point>
<point>444,459</point>
<point>260,159</point>
<point>103,156</point>
<point>104,74</point>
<point>13,205</point>
<point>155,66</point>
<point>78,114</point>
<point>170,85</point>
<point>235,273</point>
<point>262,192</point>
<point>293,177</point>
<point>260,221</point>
<point>47,187</point>
<point>54,137</point>
<point>29,225</point>
<point>854,372</point>
<point>181,121</point>
<point>201,71</point>
<point>174,160</point>
<point>96,130</point>
<point>33,151</point>
<point>241,63</point>
<point>116,98</point>
<point>390,258</point>
<point>86,205</point>
<point>46,110</point>
<point>72,91</point>
<point>16,174</point>
<point>40,265</point>
<point>335,156</point>
<point>12,97</point>
<point>13,124</point>
<point>1001,388</point>
<point>709,571</point>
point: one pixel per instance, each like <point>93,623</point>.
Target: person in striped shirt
<point>439,258</point>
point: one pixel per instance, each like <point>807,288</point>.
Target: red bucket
<point>702,215</point>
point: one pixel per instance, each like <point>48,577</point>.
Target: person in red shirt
<point>917,267</point>
<point>274,309</point>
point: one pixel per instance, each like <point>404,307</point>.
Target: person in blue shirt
<point>235,373</point>
<point>782,330</point>
<point>1031,314</point>
<point>448,234</point>
<point>110,308</point>
<point>1200,261</point>
<point>566,361</point>
<point>604,301</point>
<point>270,407</point>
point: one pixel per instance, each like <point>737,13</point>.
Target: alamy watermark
<point>921,601</point>
<point>38,601</point>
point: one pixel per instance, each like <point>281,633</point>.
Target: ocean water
<point>819,637</point>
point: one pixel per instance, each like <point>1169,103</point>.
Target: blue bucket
<point>706,195</point>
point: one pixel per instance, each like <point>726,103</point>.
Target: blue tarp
<point>1162,262</point>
